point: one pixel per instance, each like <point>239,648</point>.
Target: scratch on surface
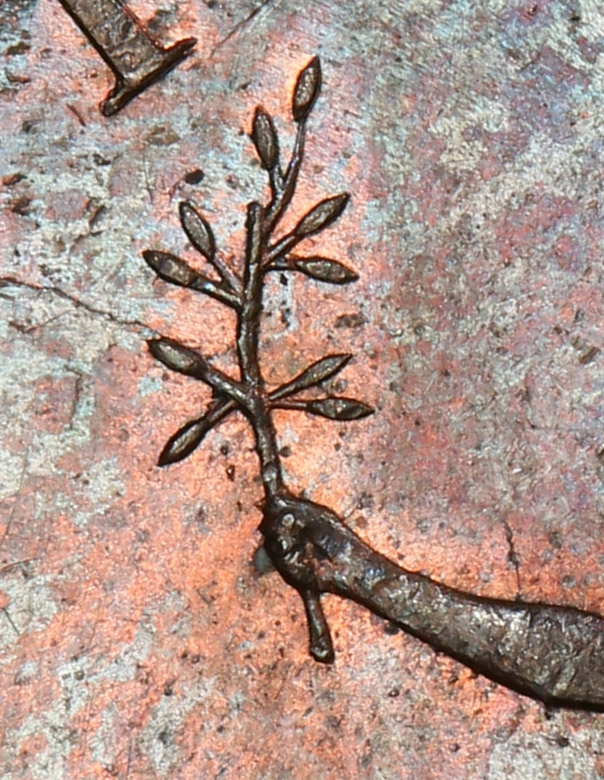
<point>138,325</point>
<point>146,176</point>
<point>513,556</point>
<point>10,620</point>
<point>11,517</point>
<point>14,564</point>
<point>243,23</point>
<point>77,395</point>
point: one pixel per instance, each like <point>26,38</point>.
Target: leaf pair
<point>264,134</point>
<point>186,361</point>
<point>175,270</point>
<point>200,234</point>
<point>333,407</point>
<point>190,436</point>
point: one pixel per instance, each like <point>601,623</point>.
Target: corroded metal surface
<point>138,637</point>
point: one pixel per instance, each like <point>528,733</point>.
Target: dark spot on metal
<point>589,356</point>
<point>12,178</point>
<point>21,205</point>
<point>355,320</point>
<point>194,177</point>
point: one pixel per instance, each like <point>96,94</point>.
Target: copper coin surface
<point>141,633</point>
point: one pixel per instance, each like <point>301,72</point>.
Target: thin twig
<point>553,653</point>
<point>283,193</point>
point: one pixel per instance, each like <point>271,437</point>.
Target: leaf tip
<point>338,408</point>
<point>197,229</point>
<point>307,90</point>
<point>265,139</point>
<point>324,270</point>
<point>164,459</point>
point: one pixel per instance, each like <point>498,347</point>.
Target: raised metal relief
<point>135,57</point>
<point>552,653</point>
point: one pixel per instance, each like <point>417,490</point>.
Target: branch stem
<point>204,285</point>
<point>229,277</point>
<point>283,187</point>
<point>221,383</point>
<point>552,653</point>
<point>297,406</point>
<point>256,406</point>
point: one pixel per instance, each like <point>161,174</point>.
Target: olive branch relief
<point>552,653</point>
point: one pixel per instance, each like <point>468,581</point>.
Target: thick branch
<point>248,326</point>
<point>552,653</point>
<point>249,319</point>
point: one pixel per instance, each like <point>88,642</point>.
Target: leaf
<point>325,270</point>
<point>170,268</point>
<point>335,408</point>
<point>306,90</point>
<point>198,230</point>
<point>313,375</point>
<point>265,139</point>
<point>184,441</point>
<point>322,215</point>
<point>177,357</point>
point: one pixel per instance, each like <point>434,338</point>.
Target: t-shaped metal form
<point>136,59</point>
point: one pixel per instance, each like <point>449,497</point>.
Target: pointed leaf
<point>336,408</point>
<point>177,357</point>
<point>265,140</point>
<point>170,268</point>
<point>322,215</point>
<point>198,230</point>
<point>184,441</point>
<point>315,374</point>
<point>325,270</point>
<point>306,90</point>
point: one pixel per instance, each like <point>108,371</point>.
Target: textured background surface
<point>137,638</point>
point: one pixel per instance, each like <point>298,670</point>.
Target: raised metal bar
<point>136,59</point>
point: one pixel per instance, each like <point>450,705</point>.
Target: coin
<point>469,143</point>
